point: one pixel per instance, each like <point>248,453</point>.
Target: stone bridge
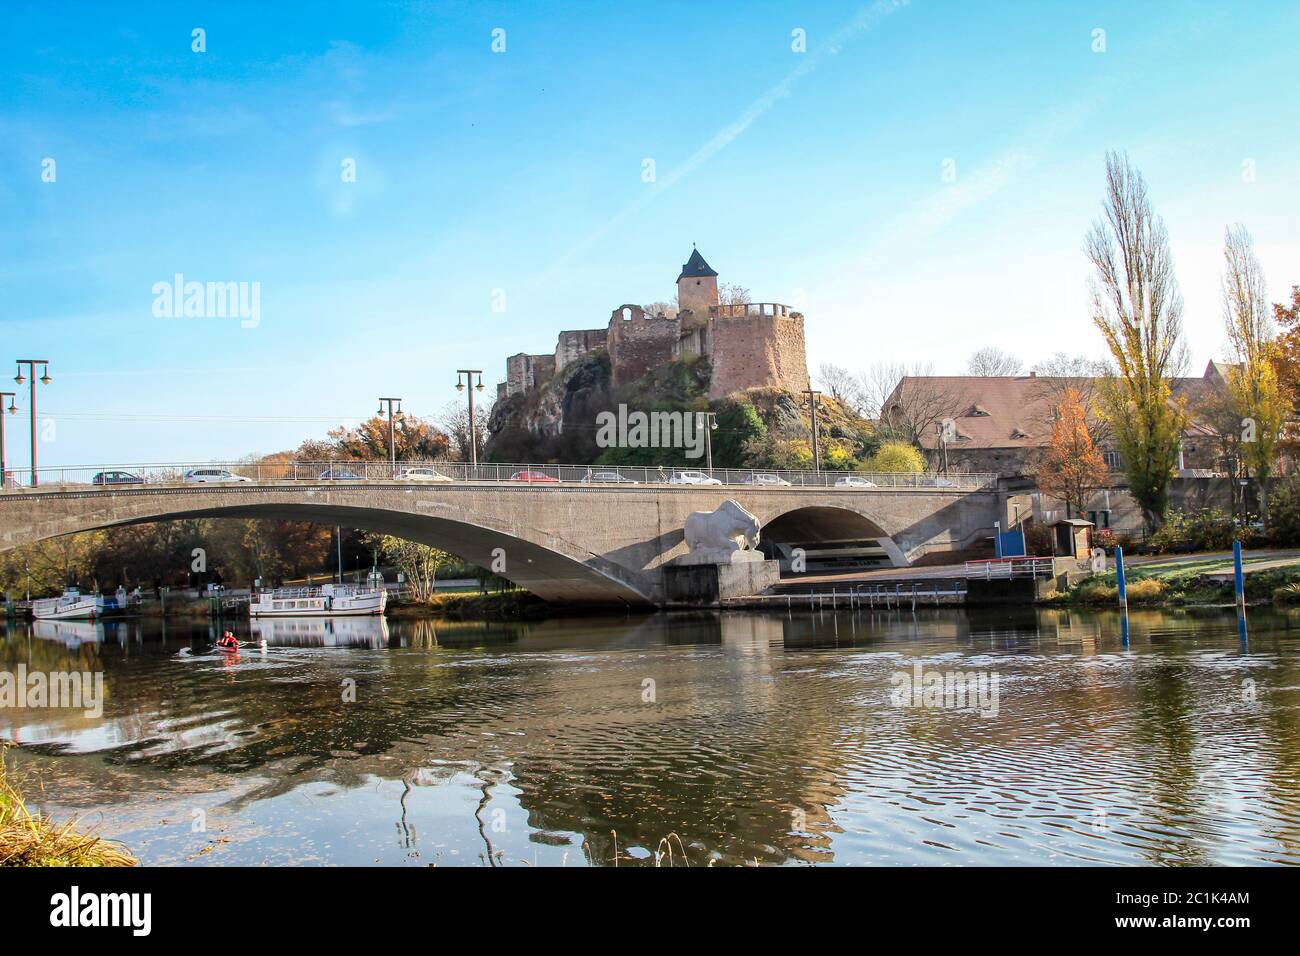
<point>567,543</point>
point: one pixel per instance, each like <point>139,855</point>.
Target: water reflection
<point>768,738</point>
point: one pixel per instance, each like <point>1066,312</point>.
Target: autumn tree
<point>1252,378</point>
<point>1071,468</point>
<point>1138,309</point>
<point>896,457</point>
<point>1286,358</point>
<point>415,439</point>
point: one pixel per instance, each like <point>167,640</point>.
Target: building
<point>1002,424</point>
<point>748,344</point>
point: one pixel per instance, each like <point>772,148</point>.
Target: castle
<point>748,344</point>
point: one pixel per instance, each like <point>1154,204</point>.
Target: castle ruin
<point>748,344</point>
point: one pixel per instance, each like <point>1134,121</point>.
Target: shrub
<point>1209,529</point>
<point>897,456</point>
<point>1287,594</point>
<point>1284,512</point>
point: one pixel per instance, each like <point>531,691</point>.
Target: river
<point>731,739</point>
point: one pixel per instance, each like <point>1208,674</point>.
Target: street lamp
<point>711,418</point>
<point>813,395</point>
<point>45,380</point>
<point>468,379</point>
<point>13,410</point>
<point>392,427</point>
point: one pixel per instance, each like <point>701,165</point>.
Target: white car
<point>212,474</point>
<point>692,478</point>
<point>766,479</point>
<point>853,481</point>
<point>422,474</point>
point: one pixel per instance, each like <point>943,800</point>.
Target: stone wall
<point>572,346</point>
<point>756,349</point>
<point>524,371</point>
<point>638,342</point>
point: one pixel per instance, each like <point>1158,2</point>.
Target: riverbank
<point>28,839</point>
<point>1184,584</point>
<point>471,605</point>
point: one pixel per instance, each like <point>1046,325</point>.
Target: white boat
<point>330,600</point>
<point>71,605</point>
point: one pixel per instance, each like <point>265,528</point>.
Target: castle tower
<point>697,286</point>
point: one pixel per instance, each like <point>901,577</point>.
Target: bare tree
<point>667,307</point>
<point>842,385</point>
<point>731,294</point>
<point>454,420</point>
<point>910,402</point>
<point>992,361</point>
<point>1062,373</point>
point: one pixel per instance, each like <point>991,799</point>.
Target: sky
<point>413,188</point>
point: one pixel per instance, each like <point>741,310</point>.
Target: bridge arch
<point>541,561</point>
<point>831,538</point>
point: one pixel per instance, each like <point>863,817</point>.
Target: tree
<point>454,421</point>
<point>1071,467</point>
<point>991,361</point>
<point>898,457</point>
<point>842,385</point>
<point>416,439</point>
<point>419,562</point>
<point>1287,355</point>
<point>1252,379</point>
<point>1138,309</point>
<point>1062,372</point>
<point>909,401</point>
<point>731,294</point>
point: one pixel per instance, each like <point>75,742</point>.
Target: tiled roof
<point>695,267</point>
<point>1008,411</point>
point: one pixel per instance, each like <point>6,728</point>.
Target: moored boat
<point>71,605</point>
<point>330,600</point>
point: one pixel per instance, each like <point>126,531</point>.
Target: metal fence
<point>440,472</point>
<point>1010,568</point>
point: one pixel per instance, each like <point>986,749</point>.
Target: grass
<point>28,839</point>
<point>1182,585</point>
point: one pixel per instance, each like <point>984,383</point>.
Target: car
<point>422,474</point>
<point>692,478</point>
<point>761,478</point>
<point>853,481</point>
<point>339,474</point>
<point>937,483</point>
<point>533,477</point>
<point>610,477</point>
<point>116,478</point>
<point>212,474</point>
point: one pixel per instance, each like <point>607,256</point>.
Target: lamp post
<point>813,395</point>
<point>392,427</point>
<point>45,380</point>
<point>13,410</point>
<point>711,420</point>
<point>469,374</point>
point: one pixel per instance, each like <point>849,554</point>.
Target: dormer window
<point>977,411</point>
<point>1020,434</point>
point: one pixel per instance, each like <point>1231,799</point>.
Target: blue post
<point>1239,579</point>
<point>1119,577</point>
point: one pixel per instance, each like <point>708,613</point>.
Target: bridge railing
<point>197,474</point>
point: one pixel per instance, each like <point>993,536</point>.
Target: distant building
<point>748,344</point>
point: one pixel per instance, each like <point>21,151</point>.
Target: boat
<point>71,605</point>
<point>329,600</point>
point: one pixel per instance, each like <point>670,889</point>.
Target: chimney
<point>1033,375</point>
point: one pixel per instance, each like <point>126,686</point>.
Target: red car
<point>533,477</point>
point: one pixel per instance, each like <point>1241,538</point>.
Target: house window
<point>1112,460</point>
<point>1099,519</point>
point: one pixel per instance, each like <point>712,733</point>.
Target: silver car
<point>692,478</point>
<point>766,479</point>
<point>212,474</point>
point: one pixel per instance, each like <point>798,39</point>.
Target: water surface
<point>749,738</point>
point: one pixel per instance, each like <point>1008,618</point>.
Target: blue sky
<point>811,178</point>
